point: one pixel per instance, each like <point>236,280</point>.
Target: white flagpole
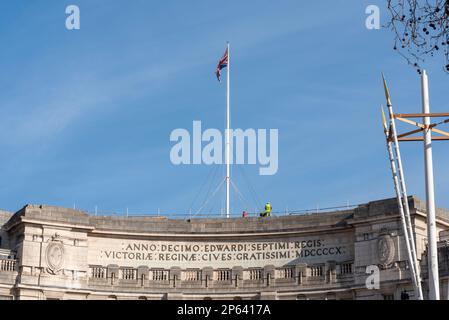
<point>432,251</point>
<point>228,171</point>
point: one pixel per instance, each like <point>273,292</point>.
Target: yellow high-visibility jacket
<point>268,207</point>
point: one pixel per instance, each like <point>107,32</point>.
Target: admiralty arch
<point>58,253</point>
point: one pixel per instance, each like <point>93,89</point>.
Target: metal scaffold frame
<point>393,139</point>
<point>401,193</point>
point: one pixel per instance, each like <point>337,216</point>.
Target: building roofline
<point>72,218</point>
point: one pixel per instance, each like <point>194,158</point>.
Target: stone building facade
<point>58,253</point>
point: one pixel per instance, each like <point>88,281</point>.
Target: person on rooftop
<point>267,211</point>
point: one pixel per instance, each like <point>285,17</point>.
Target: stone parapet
<point>53,252</point>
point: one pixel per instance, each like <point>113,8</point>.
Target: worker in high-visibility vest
<point>267,211</point>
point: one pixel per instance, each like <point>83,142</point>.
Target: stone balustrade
<point>315,275</point>
<point>8,265</point>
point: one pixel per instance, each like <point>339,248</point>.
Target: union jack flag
<point>223,63</point>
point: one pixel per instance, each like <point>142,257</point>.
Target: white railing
<point>346,268</point>
<point>217,215</point>
<point>192,275</point>
<point>128,274</point>
<point>255,274</point>
<point>223,275</point>
<point>160,275</point>
<point>316,271</point>
<point>8,265</point>
<point>285,273</point>
<point>98,272</point>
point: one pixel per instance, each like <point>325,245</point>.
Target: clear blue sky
<point>86,115</point>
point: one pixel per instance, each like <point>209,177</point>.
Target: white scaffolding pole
<point>432,251</point>
<point>401,191</point>
<point>414,272</point>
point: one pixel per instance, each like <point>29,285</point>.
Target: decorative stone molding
<point>175,272</point>
<point>54,255</point>
<point>386,250</point>
<point>143,271</point>
<point>237,271</point>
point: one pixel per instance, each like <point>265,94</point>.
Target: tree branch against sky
<point>421,29</point>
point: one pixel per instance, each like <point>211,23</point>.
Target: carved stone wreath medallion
<point>385,250</point>
<point>55,255</point>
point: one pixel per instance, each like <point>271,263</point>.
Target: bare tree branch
<point>421,29</point>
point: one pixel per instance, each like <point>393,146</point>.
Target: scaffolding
<point>392,140</point>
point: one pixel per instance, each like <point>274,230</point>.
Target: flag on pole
<point>223,63</point>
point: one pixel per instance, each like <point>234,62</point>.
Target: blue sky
<point>86,115</point>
